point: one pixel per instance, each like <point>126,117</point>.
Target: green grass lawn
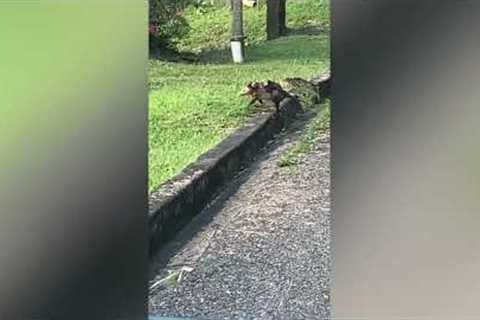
<point>195,106</point>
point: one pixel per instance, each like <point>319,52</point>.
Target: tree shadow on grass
<point>170,55</point>
<point>314,30</point>
<point>289,48</point>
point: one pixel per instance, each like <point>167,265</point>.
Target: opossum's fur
<point>264,93</point>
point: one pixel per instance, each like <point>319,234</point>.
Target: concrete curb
<point>182,197</point>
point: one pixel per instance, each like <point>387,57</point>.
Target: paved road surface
<point>260,251</point>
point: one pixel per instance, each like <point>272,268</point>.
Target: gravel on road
<point>261,250</point>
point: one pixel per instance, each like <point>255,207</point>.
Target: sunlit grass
<point>195,106</point>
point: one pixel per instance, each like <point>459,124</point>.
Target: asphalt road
<point>261,250</point>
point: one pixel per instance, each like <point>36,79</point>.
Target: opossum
<point>264,93</point>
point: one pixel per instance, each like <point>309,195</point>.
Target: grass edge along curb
<point>319,124</point>
<point>181,198</point>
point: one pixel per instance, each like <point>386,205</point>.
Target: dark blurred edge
<point>387,56</point>
<point>104,209</point>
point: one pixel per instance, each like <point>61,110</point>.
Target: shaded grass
<point>211,30</point>
<point>317,125</point>
<point>194,106</point>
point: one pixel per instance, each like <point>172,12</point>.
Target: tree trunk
<point>237,41</point>
<point>237,20</point>
<point>273,19</point>
<point>283,17</point>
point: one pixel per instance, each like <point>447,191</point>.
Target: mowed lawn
<point>194,106</point>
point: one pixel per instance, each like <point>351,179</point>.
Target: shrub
<point>166,22</point>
